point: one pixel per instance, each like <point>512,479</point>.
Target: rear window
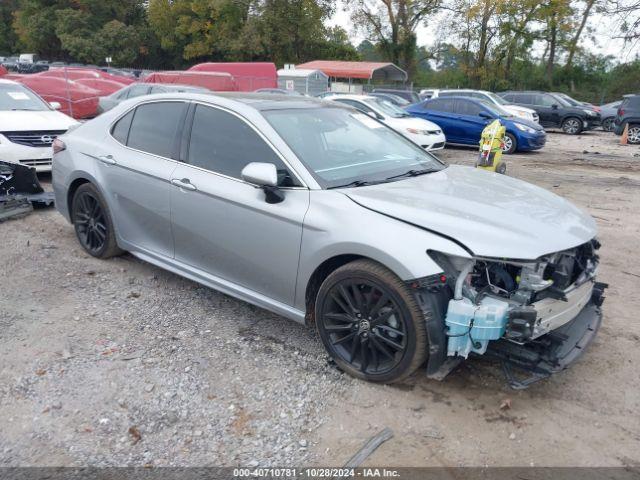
<point>631,102</point>
<point>155,126</point>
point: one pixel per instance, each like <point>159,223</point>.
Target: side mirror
<point>485,115</point>
<point>55,105</point>
<point>264,175</point>
<point>554,106</point>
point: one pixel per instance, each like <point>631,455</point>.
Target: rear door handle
<point>184,183</point>
<point>107,159</point>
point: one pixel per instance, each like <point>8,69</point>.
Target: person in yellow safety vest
<point>491,144</point>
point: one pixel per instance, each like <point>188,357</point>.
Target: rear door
<point>222,225</point>
<point>135,163</point>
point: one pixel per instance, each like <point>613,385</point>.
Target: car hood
<point>34,121</point>
<point>492,215</point>
<point>411,122</point>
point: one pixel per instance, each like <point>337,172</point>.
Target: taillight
<point>58,146</point>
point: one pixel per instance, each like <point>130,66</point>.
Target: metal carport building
<point>379,72</point>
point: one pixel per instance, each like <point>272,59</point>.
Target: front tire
<point>370,323</point>
<point>92,222</point>
<point>572,126</point>
<point>510,144</point>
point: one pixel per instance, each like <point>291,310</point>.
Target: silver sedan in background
<point>323,214</point>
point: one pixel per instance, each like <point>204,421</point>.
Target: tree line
<point>492,44</point>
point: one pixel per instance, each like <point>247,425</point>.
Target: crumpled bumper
<point>524,364</point>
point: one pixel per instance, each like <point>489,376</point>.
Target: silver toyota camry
<point>324,215</point>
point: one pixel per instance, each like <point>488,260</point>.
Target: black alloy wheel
<point>92,223</point>
<point>369,324</point>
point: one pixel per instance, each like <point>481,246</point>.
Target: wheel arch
<point>71,191</point>
<point>319,275</point>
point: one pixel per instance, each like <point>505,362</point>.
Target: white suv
<point>28,126</point>
<point>517,110</point>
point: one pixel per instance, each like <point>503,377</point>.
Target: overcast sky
<point>604,43</point>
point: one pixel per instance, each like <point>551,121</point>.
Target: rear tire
<point>607,125</point>
<point>634,134</point>
<point>93,224</point>
<point>572,126</point>
<point>370,323</point>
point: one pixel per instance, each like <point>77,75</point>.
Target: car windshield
<point>386,107</point>
<point>341,147</point>
<point>17,97</point>
<point>498,100</point>
<point>562,101</point>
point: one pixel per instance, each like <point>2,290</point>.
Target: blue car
<point>463,119</point>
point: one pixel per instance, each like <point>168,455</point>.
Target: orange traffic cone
<point>624,139</point>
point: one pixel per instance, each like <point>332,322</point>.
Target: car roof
<point>353,97</point>
<point>255,101</point>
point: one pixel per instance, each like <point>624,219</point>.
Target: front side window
<point>439,105</point>
<point>225,144</point>
<point>155,126</point>
<point>339,146</point>
<point>545,100</point>
<point>465,107</point>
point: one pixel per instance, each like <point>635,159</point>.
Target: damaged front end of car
<point>535,317</point>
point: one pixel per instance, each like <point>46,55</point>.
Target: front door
<point>222,224</point>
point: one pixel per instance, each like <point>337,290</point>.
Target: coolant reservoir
<point>489,323</point>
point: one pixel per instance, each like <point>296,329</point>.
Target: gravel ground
<point>120,363</point>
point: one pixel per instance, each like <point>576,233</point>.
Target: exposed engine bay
<point>517,306</point>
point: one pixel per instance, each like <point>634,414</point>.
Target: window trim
<point>187,139</point>
<point>190,111</point>
<point>134,107</point>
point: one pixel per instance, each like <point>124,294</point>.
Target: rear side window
<point>155,126</point>
<point>120,130</point>
<point>223,143</point>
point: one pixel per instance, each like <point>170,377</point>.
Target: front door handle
<point>183,183</point>
<point>107,159</point>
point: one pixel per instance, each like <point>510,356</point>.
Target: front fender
<point>335,225</point>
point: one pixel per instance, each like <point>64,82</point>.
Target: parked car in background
<point>462,119</point>
<point>516,110</point>
<point>213,81</point>
<point>420,131</point>
<point>28,126</point>
<point>608,113</point>
<point>11,64</point>
<point>629,114</point>
<point>577,103</point>
<point>134,90</point>
<point>409,95</point>
<point>29,68</point>
<point>76,100</point>
<point>554,111</point>
<point>324,215</point>
<point>396,100</point>
<point>28,58</point>
<point>75,73</point>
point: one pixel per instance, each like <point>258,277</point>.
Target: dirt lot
<point>120,363</point>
